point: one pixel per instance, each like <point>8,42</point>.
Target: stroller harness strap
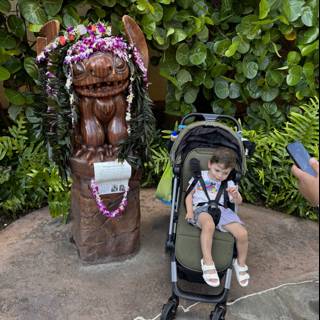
<point>196,172</point>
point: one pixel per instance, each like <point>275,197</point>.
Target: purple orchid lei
<point>102,208</point>
<point>82,42</point>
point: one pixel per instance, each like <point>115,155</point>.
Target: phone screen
<point>300,156</point>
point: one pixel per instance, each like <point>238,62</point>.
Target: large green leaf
<point>182,54</point>
<point>307,17</point>
<point>274,78</point>
<point>158,12</point>
<point>221,46</point>
<point>221,88</point>
<point>253,89</point>
<point>31,67</point>
<point>250,69</point>
<point>268,94</point>
<point>52,7</point>
<point>190,94</point>
<point>183,77</point>
<point>293,57</point>
<point>13,64</point>
<point>34,27</point>
<point>32,11</point>
<point>203,35</point>
<point>185,4</point>
<point>244,46</point>
<point>7,41</point>
<point>293,9</point>
<point>4,74</point>
<point>264,9</point>
<point>160,36</point>
<point>234,90</point>
<point>198,53</point>
<point>149,26</point>
<point>294,76</point>
<point>142,5</point>
<point>233,48</point>
<point>307,50</point>
<point>208,82</point>
<point>16,26</point>
<point>310,35</point>
<point>178,36</point>
<point>199,77</point>
<point>308,71</point>
<point>70,17</point>
<point>14,97</point>
<point>5,6</point>
<point>200,8</point>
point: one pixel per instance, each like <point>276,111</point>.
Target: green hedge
<point>257,59</point>
<point>269,178</point>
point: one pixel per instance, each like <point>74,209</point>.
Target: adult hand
<point>308,185</point>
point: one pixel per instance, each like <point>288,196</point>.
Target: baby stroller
<point>196,140</point>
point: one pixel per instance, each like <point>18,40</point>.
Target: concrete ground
<point>42,278</point>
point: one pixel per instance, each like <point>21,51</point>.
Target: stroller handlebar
<point>210,117</point>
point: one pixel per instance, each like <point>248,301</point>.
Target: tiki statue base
<point>99,239</point>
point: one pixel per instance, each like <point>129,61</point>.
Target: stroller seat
<point>187,249</point>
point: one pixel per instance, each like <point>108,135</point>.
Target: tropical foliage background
<point>257,60</point>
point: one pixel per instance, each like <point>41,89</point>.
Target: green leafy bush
<point>269,177</point>
<point>254,58</point>
<point>221,56</point>
<point>27,178</point>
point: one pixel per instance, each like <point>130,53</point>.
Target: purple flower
<point>101,28</point>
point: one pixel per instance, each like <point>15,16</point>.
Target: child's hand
<point>189,215</point>
<point>234,194</point>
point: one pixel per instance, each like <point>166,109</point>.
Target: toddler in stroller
<point>204,210</point>
<point>194,259</point>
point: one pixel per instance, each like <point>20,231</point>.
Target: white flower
<point>130,98</point>
<point>71,99</point>
<point>128,116</point>
<point>81,29</point>
<point>41,56</point>
<point>68,83</point>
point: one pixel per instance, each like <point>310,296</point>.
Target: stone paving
<point>42,277</point>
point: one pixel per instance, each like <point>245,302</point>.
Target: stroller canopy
<point>207,134</point>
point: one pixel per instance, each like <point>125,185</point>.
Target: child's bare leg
<point>207,230</point>
<point>207,225</point>
<point>241,235</point>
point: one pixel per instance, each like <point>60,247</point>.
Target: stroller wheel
<point>169,309</point>
<point>219,312</point>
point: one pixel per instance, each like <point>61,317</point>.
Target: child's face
<point>218,171</point>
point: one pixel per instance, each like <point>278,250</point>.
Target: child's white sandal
<point>241,273</point>
<point>209,277</point>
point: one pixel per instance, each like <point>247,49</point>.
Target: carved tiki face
<point>102,75</point>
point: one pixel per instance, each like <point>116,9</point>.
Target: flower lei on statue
<point>58,107</point>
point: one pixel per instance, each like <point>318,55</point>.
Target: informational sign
<point>112,176</point>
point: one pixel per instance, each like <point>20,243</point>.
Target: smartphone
<point>300,156</point>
